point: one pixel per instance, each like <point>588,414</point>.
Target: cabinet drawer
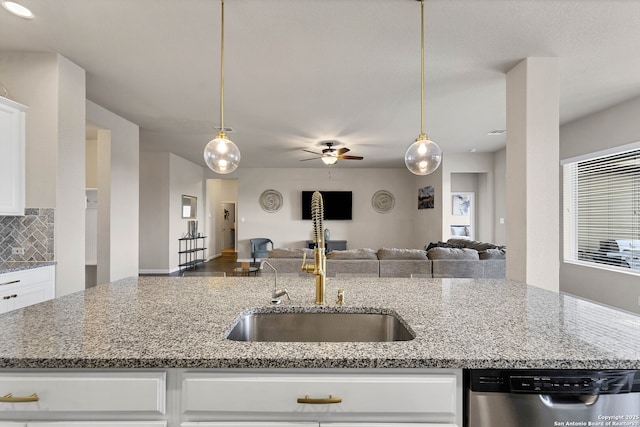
<point>358,394</point>
<point>27,277</point>
<point>84,392</point>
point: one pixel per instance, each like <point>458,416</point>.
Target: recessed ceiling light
<point>496,132</point>
<point>472,150</point>
<point>17,9</point>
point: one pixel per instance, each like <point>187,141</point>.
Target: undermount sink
<point>319,326</point>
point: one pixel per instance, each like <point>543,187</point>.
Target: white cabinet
<point>12,157</point>
<point>431,397</point>
<point>83,398</point>
<point>26,287</point>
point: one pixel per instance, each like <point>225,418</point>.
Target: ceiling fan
<point>330,155</point>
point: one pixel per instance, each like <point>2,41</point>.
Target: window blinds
<point>602,207</point>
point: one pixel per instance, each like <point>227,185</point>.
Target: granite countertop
<point>11,266</point>
<point>161,322</point>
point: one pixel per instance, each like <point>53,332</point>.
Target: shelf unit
<point>191,252</point>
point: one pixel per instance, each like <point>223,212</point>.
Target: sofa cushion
<point>394,253</point>
<point>493,254</point>
<point>290,253</point>
<point>364,253</point>
<point>453,253</point>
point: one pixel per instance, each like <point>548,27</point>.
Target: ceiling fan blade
<point>350,157</point>
<point>341,151</point>
<point>313,152</point>
<point>312,158</point>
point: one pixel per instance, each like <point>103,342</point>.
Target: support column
<point>533,171</point>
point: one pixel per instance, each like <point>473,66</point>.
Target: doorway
<point>228,235</point>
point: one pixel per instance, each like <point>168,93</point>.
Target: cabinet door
<point>28,296</point>
<point>96,424</point>
<point>248,424</point>
<point>12,163</point>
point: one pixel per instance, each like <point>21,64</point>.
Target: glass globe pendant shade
<point>222,155</point>
<point>423,156</point>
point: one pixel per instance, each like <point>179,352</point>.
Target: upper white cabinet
<point>12,157</point>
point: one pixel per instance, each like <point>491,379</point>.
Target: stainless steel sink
<point>319,326</point>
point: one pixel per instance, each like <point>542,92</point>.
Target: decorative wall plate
<point>271,201</point>
<point>383,201</point>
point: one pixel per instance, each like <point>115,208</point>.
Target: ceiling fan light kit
<point>221,155</point>
<point>423,156</point>
<point>330,155</point>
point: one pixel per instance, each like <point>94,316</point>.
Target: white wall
<point>54,90</point>
<point>477,163</point>
<point>70,182</point>
<point>185,178</point>
<point>499,196</point>
<point>118,184</point>
<point>613,127</point>
<point>154,212</point>
<point>427,223</point>
<point>214,198</point>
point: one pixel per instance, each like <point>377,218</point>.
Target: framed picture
<point>426,197</point>
<point>461,204</point>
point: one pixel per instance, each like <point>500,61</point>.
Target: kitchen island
<point>153,352</point>
<point>167,322</point>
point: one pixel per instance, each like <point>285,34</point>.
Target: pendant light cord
<point>222,71</point>
<point>422,67</point>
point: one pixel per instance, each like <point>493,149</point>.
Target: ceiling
<point>301,71</point>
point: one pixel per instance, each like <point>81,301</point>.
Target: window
<point>602,211</point>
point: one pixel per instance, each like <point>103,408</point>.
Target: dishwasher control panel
<point>554,382</point>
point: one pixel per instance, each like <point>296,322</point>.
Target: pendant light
<point>221,154</point>
<point>423,156</point>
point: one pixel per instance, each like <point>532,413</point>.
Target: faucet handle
<point>307,268</point>
<point>340,300</point>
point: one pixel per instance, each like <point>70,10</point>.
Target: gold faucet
<point>319,266</point>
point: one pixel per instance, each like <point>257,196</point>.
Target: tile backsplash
<point>34,232</point>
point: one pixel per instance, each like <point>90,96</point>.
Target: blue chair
<point>259,248</point>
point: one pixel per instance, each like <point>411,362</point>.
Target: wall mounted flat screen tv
<point>337,205</point>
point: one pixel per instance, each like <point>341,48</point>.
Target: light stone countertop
<point>162,322</point>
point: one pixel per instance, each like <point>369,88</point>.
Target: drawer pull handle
<point>320,401</point>
<point>10,283</point>
<point>10,296</point>
<point>10,398</point>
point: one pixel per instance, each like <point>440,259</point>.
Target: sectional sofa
<point>454,258</point>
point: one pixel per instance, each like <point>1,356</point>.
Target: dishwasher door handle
<point>568,401</point>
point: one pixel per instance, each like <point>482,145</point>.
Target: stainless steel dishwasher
<point>552,398</point>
